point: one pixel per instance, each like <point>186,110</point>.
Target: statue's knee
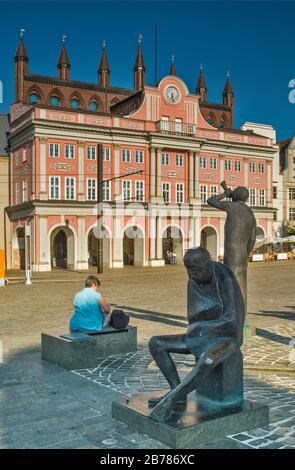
<point>154,345</point>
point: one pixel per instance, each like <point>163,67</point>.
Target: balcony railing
<point>175,128</point>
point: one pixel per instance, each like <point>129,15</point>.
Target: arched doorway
<point>133,247</point>
<point>62,248</point>
<point>209,241</point>
<point>92,248</point>
<point>19,249</point>
<point>260,235</point>
<point>172,245</point>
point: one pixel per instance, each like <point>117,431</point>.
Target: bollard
<point>2,268</point>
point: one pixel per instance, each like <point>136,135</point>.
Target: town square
<point>147,235</point>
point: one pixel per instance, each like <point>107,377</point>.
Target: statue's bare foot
<point>156,400</point>
<point>163,411</point>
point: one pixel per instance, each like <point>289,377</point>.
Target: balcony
<point>175,128</point>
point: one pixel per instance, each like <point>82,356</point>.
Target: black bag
<point>119,319</point>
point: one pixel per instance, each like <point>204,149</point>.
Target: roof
<point>201,81</point>
<point>4,128</point>
<point>76,84</point>
<point>21,50</point>
<point>215,106</point>
<point>64,58</point>
<point>104,63</point>
<point>228,89</point>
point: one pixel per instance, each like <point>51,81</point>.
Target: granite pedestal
<point>196,422</point>
<point>80,350</point>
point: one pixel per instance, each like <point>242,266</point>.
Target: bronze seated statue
<point>216,314</point>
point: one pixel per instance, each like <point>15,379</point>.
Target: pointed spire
<point>228,89</point>
<point>201,86</point>
<point>63,62</point>
<point>139,67</point>
<point>21,52</point>
<point>104,70</point>
<point>172,67</point>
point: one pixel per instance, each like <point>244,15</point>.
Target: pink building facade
<point>179,159</point>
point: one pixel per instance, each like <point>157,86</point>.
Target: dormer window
<point>92,106</point>
<point>34,98</point>
<point>54,101</point>
<point>221,124</point>
<point>75,103</point>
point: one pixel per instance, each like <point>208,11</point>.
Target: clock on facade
<point>172,94</point>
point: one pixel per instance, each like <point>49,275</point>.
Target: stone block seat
<point>80,350</point>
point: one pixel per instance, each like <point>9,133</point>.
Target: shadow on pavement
<point>154,316</point>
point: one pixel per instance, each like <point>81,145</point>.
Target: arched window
<point>75,104</point>
<point>93,106</point>
<point>210,121</point>
<point>54,100</point>
<point>221,124</point>
<point>114,101</point>
<point>34,98</point>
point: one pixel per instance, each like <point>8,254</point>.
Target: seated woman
<point>91,310</point>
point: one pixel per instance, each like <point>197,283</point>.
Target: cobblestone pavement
<point>43,406</point>
<point>136,373</point>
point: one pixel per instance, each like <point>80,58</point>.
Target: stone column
<point>152,237</point>
<point>43,192</point>
<point>33,171</point>
<point>159,192</point>
<point>80,176</point>
<point>44,243</point>
<point>191,174</point>
<point>191,231</point>
<point>269,185</point>
<point>82,252</point>
<point>159,239</point>
<point>197,175</point>
<point>117,156</point>
<point>197,231</point>
<point>117,243</point>
<point>246,172</point>
<point>221,167</point>
<point>153,172</point>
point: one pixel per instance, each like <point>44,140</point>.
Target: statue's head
<point>198,264</point>
<point>240,194</point>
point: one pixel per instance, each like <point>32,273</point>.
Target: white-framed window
<point>213,190</point>
<point>291,194</point>
<point>70,187</point>
<point>106,154</point>
<point>179,193</point>
<point>203,193</point>
<point>203,162</point>
<point>293,174</point>
<point>126,190</point>
<point>139,156</point>
<point>139,191</point>
<point>91,152</point>
<point>126,155</point>
<point>69,151</point>
<point>252,167</point>
<point>213,163</point>
<point>261,168</point>
<point>228,165</point>
<point>166,192</point>
<point>91,189</point>
<point>17,157</point>
<point>275,192</point>
<point>165,159</point>
<point>25,154</point>
<point>178,125</point>
<point>24,191</point>
<point>17,192</point>
<point>54,187</point>
<point>106,191</point>
<point>261,194</point>
<point>292,213</point>
<point>179,159</point>
<point>54,150</point>
<point>165,123</point>
<point>238,165</point>
<point>252,197</point>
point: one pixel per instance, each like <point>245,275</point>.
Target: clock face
<point>172,94</point>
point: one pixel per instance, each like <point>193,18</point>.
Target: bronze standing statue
<point>215,334</point>
<point>239,231</point>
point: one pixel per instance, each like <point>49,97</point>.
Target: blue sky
<point>254,40</point>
